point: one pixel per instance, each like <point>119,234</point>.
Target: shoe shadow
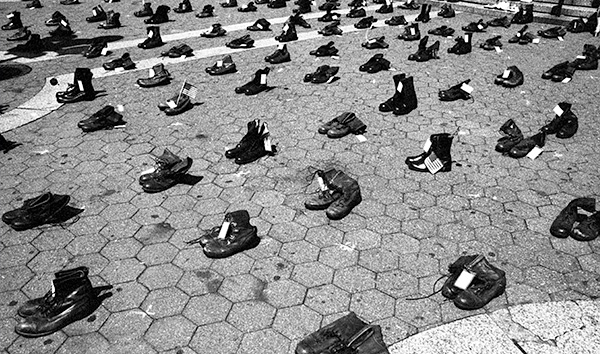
<point>190,180</point>
<point>62,46</point>
<point>3,108</point>
<point>67,213</point>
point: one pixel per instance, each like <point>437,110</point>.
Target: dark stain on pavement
<point>203,274</point>
<point>259,291</point>
<point>163,227</point>
<point>13,303</point>
<point>92,318</point>
<point>212,286</point>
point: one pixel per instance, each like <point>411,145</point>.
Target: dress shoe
<point>562,226</point>
<point>489,283</point>
<point>167,178</point>
<point>588,229</point>
<point>455,92</point>
<point>222,67</point>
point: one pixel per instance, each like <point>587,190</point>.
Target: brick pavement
<point>308,270</point>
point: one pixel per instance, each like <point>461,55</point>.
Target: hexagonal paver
<point>372,305</point>
<point>250,316</point>
<point>122,270</point>
<point>161,276</point>
<point>207,308</point>
<point>354,279</point>
<point>157,254</point>
<point>126,325</point>
<point>296,322</point>
<point>216,338</point>
<point>165,302</point>
<point>126,296</point>
<point>327,299</point>
<point>171,332</point>
<point>263,342</point>
<point>312,274</point>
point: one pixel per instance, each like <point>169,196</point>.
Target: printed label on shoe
<point>433,163</point>
<point>263,79</point>
<point>219,63</point>
<point>399,88</point>
<point>151,72</point>
<point>427,145</point>
<point>506,74</point>
<point>171,104</point>
<point>322,185</point>
<point>224,229</point>
<point>80,85</point>
<point>566,80</point>
<point>535,41</point>
<point>64,23</point>
<point>268,144</point>
<point>466,39</point>
<point>150,34</point>
<point>361,138</point>
<point>480,26</point>
<point>581,57</point>
<point>559,111</point>
<point>285,27</point>
<point>466,88</point>
<point>94,12</point>
<point>464,279</point>
<point>535,152</point>
<point>412,31</point>
<point>104,51</point>
<point>560,38</point>
<point>10,15</point>
<point>498,49</point>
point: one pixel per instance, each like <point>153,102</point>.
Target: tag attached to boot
<point>94,12</point>
<point>412,31</point>
<point>433,163</point>
<point>80,85</point>
<point>268,147</point>
<point>219,63</point>
<point>468,89</point>
<point>399,88</point>
<point>559,111</point>
<point>583,57</point>
<point>151,72</point>
<point>64,23</point>
<point>330,80</point>
<point>506,74</point>
<point>535,41</point>
<point>427,145</point>
<point>464,279</point>
<point>361,138</point>
<point>466,39</point>
<point>519,35</point>
<point>560,39</point>
<point>498,49</point>
<point>480,26</point>
<point>535,152</point>
<point>285,27</point>
<point>322,185</point>
<point>10,15</point>
<point>566,80</point>
<point>150,34</point>
<point>280,46</point>
<point>263,79</point>
<point>171,104</point>
<point>224,229</point>
<point>259,25</point>
<point>104,51</point>
<point>53,289</point>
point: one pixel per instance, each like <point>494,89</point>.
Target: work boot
<point>55,19</point>
<point>424,15</point>
<point>588,60</point>
<point>154,39</point>
<point>303,6</point>
<point>463,45</point>
<point>180,104</point>
<point>222,67</point>
<point>348,123</point>
<point>124,62</point>
<point>357,3</point>
<point>112,20</point>
<point>404,99</point>
<point>95,48</point>
<point>338,334</point>
<point>259,148</point>
<point>167,178</point>
<point>61,278</point>
<point>491,43</point>
<point>216,31</point>
<point>356,12</point>
<point>331,29</point>
<point>326,50</point>
<point>562,226</point>
<point>376,64</point>
<point>35,4</point>
<point>256,85</point>
<point>260,25</point>
<point>281,55</point>
<point>103,119</point>
<point>489,283</point>
<point>239,237</point>
<point>447,11</point>
<point>242,42</point>
<point>250,7</point>
<point>511,77</point>
<point>524,147</point>
<point>479,26</point>
<point>254,133</point>
<point>325,196</point>
<point>63,29</point>
<point>449,290</point>
<point>396,21</point>
<point>410,33</point>
<point>437,159</point>
<point>98,15</point>
<point>376,43</point>
<point>160,16</point>
<point>350,197</point>
<point>238,221</point>
<point>517,37</point>
<point>422,47</point>
<point>84,90</point>
<point>14,21</point>
<point>455,92</point>
<point>229,3</point>
<point>564,125</point>
<point>512,136</point>
<point>276,4</point>
<point>288,33</point>
<point>588,229</point>
<point>500,22</point>
<point>298,20</point>
<point>182,50</point>
<point>207,11</point>
<point>39,212</point>
<point>366,22</point>
<point>164,163</point>
<point>557,9</point>
<point>183,7</point>
<point>525,15</point>
<point>22,34</point>
<point>146,11</point>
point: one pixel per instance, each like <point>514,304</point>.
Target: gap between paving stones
<point>44,102</point>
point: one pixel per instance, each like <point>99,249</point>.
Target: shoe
<point>424,15</point>
<point>303,6</point>
<point>146,11</point>
<point>517,37</point>
<point>446,11</point>
<point>254,133</point>
<point>250,7</point>
<point>239,238</point>
<point>357,12</point>
<point>256,150</point>
<point>564,125</point>
<point>438,158</point>
<point>288,33</point>
<point>29,205</point>
<point>404,99</point>
<point>429,53</point>
<point>410,33</point>
<point>22,34</point>
<point>178,107</point>
<point>449,290</point>
<point>376,64</point>
<point>524,147</point>
<point>159,16</point>
<point>376,43</point>
<point>553,32</point>
<point>422,47</point>
<point>329,5</point>
<point>557,9</point>
<point>455,92</point>
<point>276,4</point>
<point>491,43</point>
<point>396,21</point>
<point>562,226</point>
<point>345,124</point>
<point>207,11</point>
<point>167,178</point>
<point>281,55</point>
<point>112,20</point>
<point>216,31</point>
<point>500,22</point>
<point>238,220</point>
<point>512,77</point>
<point>63,30</point>
<point>222,67</point>
<point>124,62</point>
<point>37,212</point>
<point>242,42</point>
<point>443,31</point>
<point>81,90</point>
<point>164,163</point>
<point>547,75</point>
<point>69,2</point>
<point>592,24</point>
<point>331,29</point>
<point>298,20</point>
<point>323,74</point>
<point>35,4</point>
<point>184,6</point>
<point>229,3</point>
<point>98,15</point>
<point>182,50</point>
<point>323,198</point>
<point>479,26</point>
<point>385,9</point>
<point>103,119</point>
<point>576,26</point>
<point>327,50</point>
<point>366,22</point>
<point>463,44</point>
<point>525,15</point>
<point>357,3</point>
<point>55,19</point>
<point>257,85</point>
<point>409,5</point>
<point>588,60</point>
<point>588,229</point>
<point>350,197</point>
<point>154,39</point>
<point>512,136</point>
<point>260,25</point>
<point>329,17</point>
<point>489,283</point>
<point>158,76</point>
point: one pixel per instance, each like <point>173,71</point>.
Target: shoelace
<point>434,291</point>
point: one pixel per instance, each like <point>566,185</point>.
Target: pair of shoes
<point>106,118</point>
<point>235,235</point>
<point>356,12</point>
<point>446,11</point>
<point>71,299</point>
<point>366,22</point>
<point>404,100</point>
<point>170,168</point>
<point>36,211</point>
<point>587,229</point>
<point>253,146</point>
<point>491,43</point>
<point>81,89</point>
<point>376,43</point>
<point>112,20</point>
<point>553,32</point>
<point>560,72</point>
<point>410,33</point>
<point>343,125</point>
<point>396,21</point>
<point>124,62</point>
<point>424,15</point>
<point>154,39</point>
<point>22,34</point>
<point>216,31</point>
<point>326,50</point>
<point>479,26</point>
<point>182,50</point>
<point>14,21</point>
<point>95,49</point>
<point>488,282</point>
<point>177,104</point>
<point>260,25</point>
<point>255,86</point>
<point>564,124</point>
<point>436,156</point>
<point>443,31</point>
<point>207,11</point>
<point>425,53</point>
<point>98,15</point>
<point>183,7</point>
<point>338,194</point>
<point>376,64</point>
<point>511,77</point>
<point>331,29</point>
<point>146,11</point>
<point>222,67</point>
<point>297,20</point>
<point>463,44</point>
<point>323,74</point>
<point>288,33</point>
<point>249,7</point>
<point>161,15</point>
<point>158,76</point>
<point>7,145</point>
<point>525,15</point>
<point>500,22</point>
<point>280,55</point>
<point>456,92</point>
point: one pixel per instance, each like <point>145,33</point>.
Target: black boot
<point>253,133</point>
<point>22,34</point>
<point>167,178</point>
<point>281,55</point>
<point>160,77</point>
<point>146,11</point>
<point>112,20</point>
<point>39,211</point>
<point>588,229</point>
<point>55,19</point>
<point>34,45</point>
<point>35,4</point>
<point>164,163</point>
<point>256,85</point>
<point>422,47</point>
<point>98,15</point>
<point>564,125</point>
<point>106,118</point>
<point>63,29</point>
<point>489,283</point>
<point>524,147</point>
<point>324,196</point>
<point>557,9</point>
<point>513,136</point>
<point>437,158</point>
<point>511,77</point>
<point>260,25</point>
<point>424,15</point>
<point>449,290</point>
<point>81,90</point>
<point>298,20</point>
<point>410,33</point>
<point>447,11</point>
<point>338,334</point>
<point>154,40</point>
<point>240,236</point>
<point>406,100</point>
<point>288,33</point>
<point>350,197</point>
<point>562,226</point>
<point>14,21</point>
<point>463,45</point>
<point>207,11</point>
<point>238,220</point>
<point>258,148</point>
<point>455,92</point>
<point>303,7</point>
<point>525,15</point>
<point>160,16</point>
<point>184,6</point>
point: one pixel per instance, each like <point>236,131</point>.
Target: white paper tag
<point>466,38</point>
<point>427,145</point>
<point>433,163</point>
<point>330,80</point>
<point>267,142</point>
<point>64,23</point>
<point>480,26</point>
<point>10,15</point>
<point>335,17</point>
<point>219,63</point>
<point>244,6</point>
<point>322,185</point>
<point>104,51</point>
<point>519,35</point>
<point>80,85</point>
<point>506,74</point>
<point>150,34</point>
<point>259,25</point>
<point>263,79</point>
<point>560,38</point>
<point>151,72</point>
<point>535,41</point>
<point>52,288</point>
<point>285,27</point>
<point>412,31</point>
<point>535,152</point>
<point>399,88</point>
<point>280,46</point>
<point>566,80</point>
<point>361,138</point>
<point>224,229</point>
<point>464,279</point>
<point>581,57</point>
<point>171,104</point>
<point>466,88</point>
<point>498,49</point>
<point>372,40</point>
<point>94,12</point>
<point>559,111</point>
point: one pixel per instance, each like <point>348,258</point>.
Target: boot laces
<point>434,291</point>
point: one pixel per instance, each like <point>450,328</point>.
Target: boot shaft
<point>441,146</point>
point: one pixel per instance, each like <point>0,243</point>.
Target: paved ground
<point>307,271</point>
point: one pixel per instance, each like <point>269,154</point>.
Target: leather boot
<point>410,33</point>
<point>281,55</point>
<point>207,11</point>
<point>238,220</point>
<point>98,15</point>
<point>563,224</point>
<point>161,15</point>
<point>450,291</point>
<point>84,89</point>
<point>404,99</point>
<point>322,199</point>
<point>254,132</point>
<point>55,19</point>
<point>588,229</point>
<point>14,21</point>
<point>35,4</point>
<point>298,20</point>
<point>63,29</point>
<point>154,39</point>
<point>167,178</point>
<point>559,120</point>
<point>260,25</point>
<point>326,50</point>
<point>146,11</point>
<point>455,92</point>
<point>240,236</point>
<point>424,15</point>
<point>257,149</point>
<point>41,211</point>
<point>160,77</point>
<point>28,204</point>
<point>447,11</point>
<point>513,136</point>
<point>256,85</point>
<point>523,147</point>
<point>437,159</point>
<point>489,283</point>
<point>184,6</point>
<point>76,276</point>
<point>512,77</point>
<point>350,197</point>
<point>103,119</point>
<point>463,45</point>
<point>95,48</point>
<point>112,20</point>
<point>164,162</point>
<point>288,33</point>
